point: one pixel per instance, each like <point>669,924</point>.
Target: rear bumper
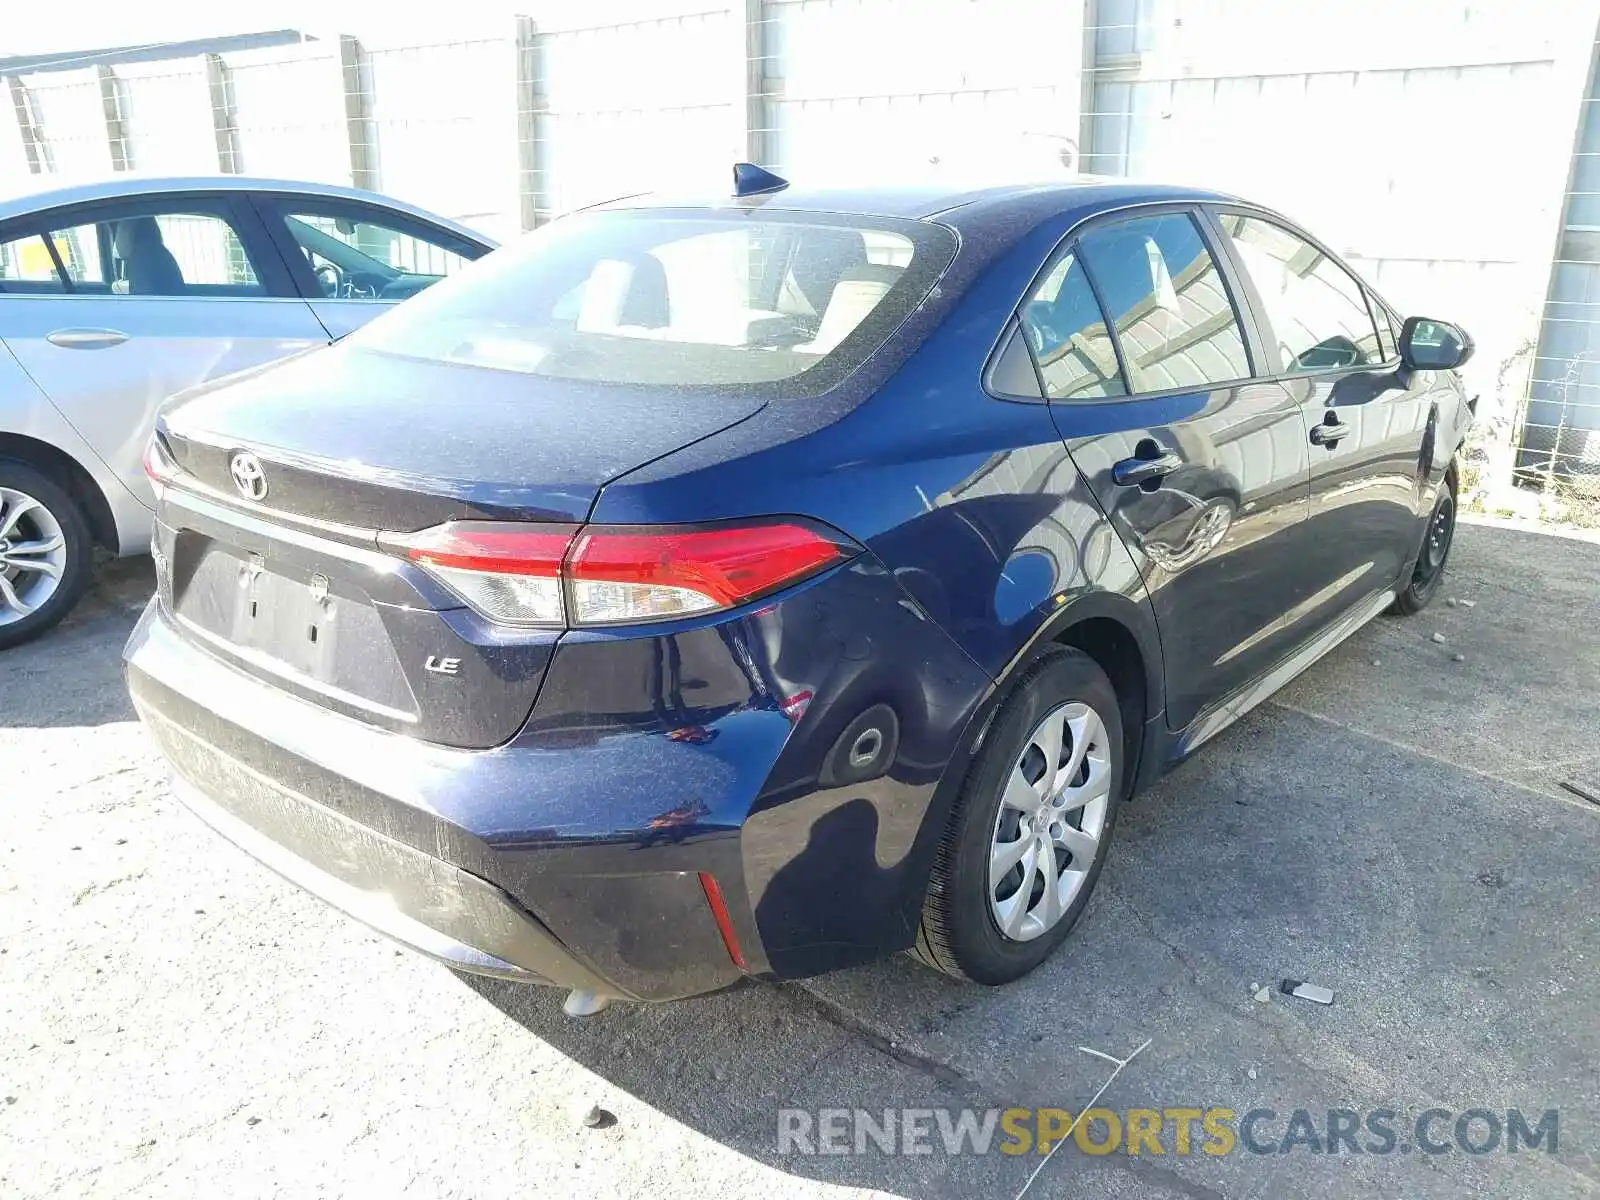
<point>401,835</point>
<point>579,853</point>
<point>418,900</point>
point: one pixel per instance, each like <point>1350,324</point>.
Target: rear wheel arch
<point>1119,635</point>
<point>72,477</point>
<point>1115,649</point>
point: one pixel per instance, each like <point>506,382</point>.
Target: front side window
<point>1169,305</point>
<point>1388,337</point>
<point>1317,310</point>
<point>368,258</point>
<point>702,301</point>
<point>1068,336</point>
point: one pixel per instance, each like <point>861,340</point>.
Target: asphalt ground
<point>175,1020</point>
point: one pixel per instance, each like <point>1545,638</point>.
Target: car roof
<point>134,185</point>
<point>998,202</point>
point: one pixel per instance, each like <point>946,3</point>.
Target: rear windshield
<point>776,303</point>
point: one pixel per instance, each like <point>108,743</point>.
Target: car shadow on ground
<point>1390,826</point>
<point>52,682</point>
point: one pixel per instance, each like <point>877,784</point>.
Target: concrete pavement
<point>175,1020</point>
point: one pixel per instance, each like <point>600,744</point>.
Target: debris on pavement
<point>1263,996</point>
<point>598,1118</point>
<point>1302,990</point>
<point>1458,657</point>
<point>1438,637</point>
<point>1585,793</point>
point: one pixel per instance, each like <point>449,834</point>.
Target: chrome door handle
<point>86,339</point>
<point>1131,472</point>
<point>1329,434</point>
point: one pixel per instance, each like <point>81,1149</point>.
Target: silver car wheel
<point>33,555</point>
<point>1048,832</point>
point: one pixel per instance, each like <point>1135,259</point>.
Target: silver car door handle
<point>1329,433</point>
<point>1131,472</point>
<point>86,339</point>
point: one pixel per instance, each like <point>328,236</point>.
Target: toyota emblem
<point>248,476</point>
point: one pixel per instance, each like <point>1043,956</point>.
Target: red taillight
<point>509,573</point>
<point>552,575</point>
<point>636,574</point>
<point>158,466</point>
<point>492,546</point>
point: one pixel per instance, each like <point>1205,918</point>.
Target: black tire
<point>959,934</point>
<point>28,480</point>
<point>1438,535</point>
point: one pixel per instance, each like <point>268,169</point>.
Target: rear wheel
<point>1031,827</point>
<point>1431,559</point>
<point>44,552</point>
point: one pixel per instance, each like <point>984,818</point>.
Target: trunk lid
<point>375,440</point>
<point>290,584</point>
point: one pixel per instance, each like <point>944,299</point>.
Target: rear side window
<point>1169,305</point>
<point>27,267</point>
<point>165,254</point>
<point>1068,336</point>
<point>786,303</point>
<point>1318,311</point>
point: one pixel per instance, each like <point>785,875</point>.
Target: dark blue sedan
<point>752,586</point>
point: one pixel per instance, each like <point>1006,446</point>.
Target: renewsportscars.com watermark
<point>1151,1131</point>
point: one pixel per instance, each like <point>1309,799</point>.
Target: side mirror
<point>1428,345</point>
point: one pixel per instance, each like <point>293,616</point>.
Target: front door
<point>1365,420</point>
<point>1200,470</point>
<point>144,298</point>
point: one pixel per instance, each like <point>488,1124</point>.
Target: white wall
<point>891,88</point>
<point>1427,140</point>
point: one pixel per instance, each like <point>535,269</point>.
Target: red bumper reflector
<point>719,910</point>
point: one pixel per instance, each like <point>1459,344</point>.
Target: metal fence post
<point>111,104</point>
<point>359,127</point>
<point>224,122</point>
<point>530,107</point>
<point>1086,89</point>
<point>33,143</point>
<point>757,145</point>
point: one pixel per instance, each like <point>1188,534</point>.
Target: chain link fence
<point>1452,159</point>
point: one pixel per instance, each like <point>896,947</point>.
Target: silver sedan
<point>115,295</point>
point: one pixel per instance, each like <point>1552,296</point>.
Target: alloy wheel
<point>1048,831</point>
<point>33,555</point>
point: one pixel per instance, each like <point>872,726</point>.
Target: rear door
<point>1200,468</point>
<point>1364,426</point>
<point>352,260</point>
<point>109,326</point>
